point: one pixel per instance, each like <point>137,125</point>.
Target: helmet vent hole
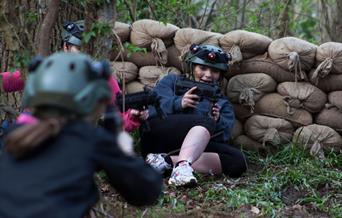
<point>48,64</point>
<point>72,66</point>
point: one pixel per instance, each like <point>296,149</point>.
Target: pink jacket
<point>130,122</point>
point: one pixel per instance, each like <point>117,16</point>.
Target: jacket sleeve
<point>130,122</point>
<point>138,183</point>
<point>170,103</point>
<point>226,120</point>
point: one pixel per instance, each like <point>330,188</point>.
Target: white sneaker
<point>157,161</point>
<point>182,175</point>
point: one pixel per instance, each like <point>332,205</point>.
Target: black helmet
<point>208,55</point>
<point>72,32</point>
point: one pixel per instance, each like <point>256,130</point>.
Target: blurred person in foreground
<point>47,168</point>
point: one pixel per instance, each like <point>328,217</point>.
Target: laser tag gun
<point>140,101</point>
<point>204,90</point>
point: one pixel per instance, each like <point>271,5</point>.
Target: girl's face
<point>206,74</point>
<point>71,48</point>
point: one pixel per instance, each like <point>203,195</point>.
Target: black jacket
<point>57,180</point>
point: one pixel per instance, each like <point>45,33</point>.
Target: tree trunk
<point>45,32</point>
<point>330,21</point>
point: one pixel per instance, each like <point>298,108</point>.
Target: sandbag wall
<point>283,90</point>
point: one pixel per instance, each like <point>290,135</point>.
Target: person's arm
<point>136,181</point>
<point>226,119</point>
<point>170,103</point>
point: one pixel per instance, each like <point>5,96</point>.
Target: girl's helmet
<point>72,82</point>
<point>72,32</point>
<point>208,55</point>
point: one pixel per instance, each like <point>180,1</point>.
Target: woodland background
<point>29,27</point>
<point>289,183</point>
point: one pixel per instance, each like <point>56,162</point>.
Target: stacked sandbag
<point>273,105</point>
<point>247,89</point>
<point>122,30</point>
<point>269,130</point>
<point>332,82</point>
<point>243,44</point>
<point>302,95</point>
<point>126,71</point>
<point>185,37</point>
<point>328,61</point>
<point>294,55</point>
<point>264,64</point>
<point>316,138</point>
<point>149,75</point>
<point>155,36</point>
<point>237,130</point>
<point>134,87</point>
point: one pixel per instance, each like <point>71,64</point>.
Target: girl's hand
<point>189,99</point>
<point>215,111</point>
<point>141,115</point>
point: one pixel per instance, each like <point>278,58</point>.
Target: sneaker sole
<point>192,183</point>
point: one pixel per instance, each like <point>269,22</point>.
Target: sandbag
<point>335,99</point>
<point>122,30</point>
<point>141,58</point>
<point>149,75</point>
<point>243,44</point>
<point>154,35</point>
<point>187,36</point>
<point>329,83</point>
<point>126,69</point>
<point>293,54</point>
<point>302,95</point>
<point>173,58</point>
<point>145,31</point>
<point>263,64</point>
<point>274,106</point>
<point>331,117</point>
<point>237,130</point>
<point>242,112</point>
<point>134,86</point>
<point>316,138</point>
<point>264,129</point>
<point>249,144</point>
<point>247,89</point>
<point>328,59</point>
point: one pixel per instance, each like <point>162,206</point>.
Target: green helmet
<point>72,32</point>
<point>69,81</point>
<point>208,55</point>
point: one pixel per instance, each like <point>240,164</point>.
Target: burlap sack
<point>249,144</point>
<point>316,138</point>
<point>302,95</point>
<point>149,75</point>
<point>331,117</point>
<point>247,89</point>
<point>329,83</point>
<point>242,112</point>
<point>145,31</point>
<point>264,129</point>
<point>133,87</point>
<point>173,58</point>
<point>244,44</point>
<point>335,99</point>
<point>274,106</point>
<point>138,58</point>
<point>263,64</point>
<point>293,54</point>
<point>128,70</point>
<point>187,36</point>
<point>153,35</point>
<point>237,130</point>
<point>122,30</point>
<point>328,59</point>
